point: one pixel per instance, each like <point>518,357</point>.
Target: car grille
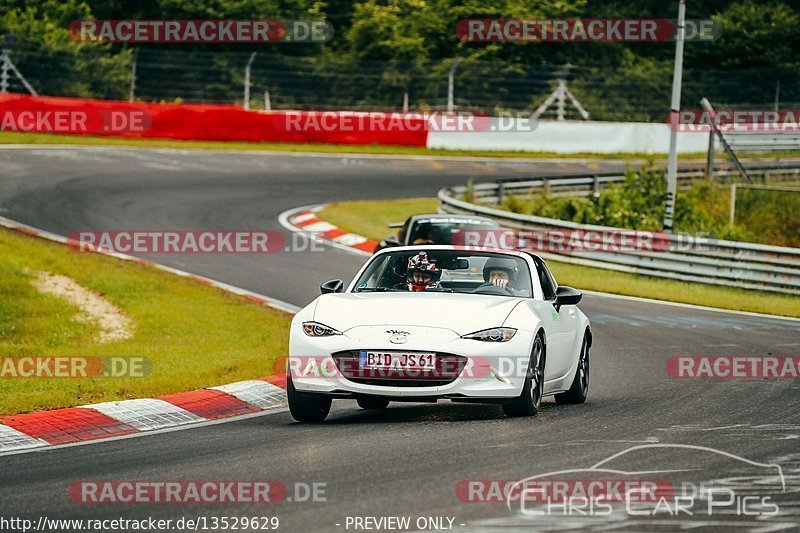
<point>448,368</point>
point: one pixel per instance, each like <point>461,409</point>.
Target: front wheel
<point>579,390</point>
<point>527,403</point>
<point>306,407</point>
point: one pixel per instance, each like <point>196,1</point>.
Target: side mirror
<point>334,285</point>
<point>567,296</point>
<point>392,241</point>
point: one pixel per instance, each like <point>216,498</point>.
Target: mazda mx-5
<point>429,323</point>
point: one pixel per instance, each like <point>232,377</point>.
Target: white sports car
<point>426,323</point>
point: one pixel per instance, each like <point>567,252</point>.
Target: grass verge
<point>369,218</point>
<point>7,137</point>
<point>193,335</point>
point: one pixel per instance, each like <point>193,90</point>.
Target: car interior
<point>462,272</point>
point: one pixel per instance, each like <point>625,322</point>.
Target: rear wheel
<point>372,403</point>
<point>527,403</point>
<point>579,390</point>
<point>306,407</point>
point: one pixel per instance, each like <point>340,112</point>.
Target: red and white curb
<point>127,417</point>
<point>305,220</point>
<point>30,431</point>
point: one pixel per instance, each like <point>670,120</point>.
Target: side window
<point>549,287</point>
<point>401,235</point>
<point>546,279</point>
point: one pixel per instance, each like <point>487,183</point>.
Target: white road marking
<point>689,306</point>
<point>319,227</point>
<point>255,392</point>
<point>10,438</point>
<point>146,414</point>
<point>453,158</point>
<point>350,239</point>
<point>302,218</point>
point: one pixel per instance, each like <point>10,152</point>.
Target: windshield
<point>442,231</point>
<point>455,271</point>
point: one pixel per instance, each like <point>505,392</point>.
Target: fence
<point>324,80</point>
<point>728,263</point>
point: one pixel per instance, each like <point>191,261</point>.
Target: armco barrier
<point>221,122</point>
<point>585,184</point>
<point>718,262</point>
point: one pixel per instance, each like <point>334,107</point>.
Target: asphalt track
<point>408,460</point>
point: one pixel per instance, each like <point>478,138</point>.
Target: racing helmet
<point>428,274</point>
<point>509,266</point>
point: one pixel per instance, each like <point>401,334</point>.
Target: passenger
<point>500,273</point>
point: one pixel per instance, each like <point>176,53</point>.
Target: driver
<point>429,235</point>
<point>422,273</point>
<point>501,273</point>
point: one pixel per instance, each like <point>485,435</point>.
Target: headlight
<point>315,329</point>
<point>492,335</point>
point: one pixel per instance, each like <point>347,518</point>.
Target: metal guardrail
<point>585,184</point>
<point>718,262</point>
<point>763,142</point>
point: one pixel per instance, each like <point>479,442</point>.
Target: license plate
<point>397,360</point>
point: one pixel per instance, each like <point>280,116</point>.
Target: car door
<point>561,327</point>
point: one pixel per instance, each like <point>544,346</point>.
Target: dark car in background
<point>434,229</point>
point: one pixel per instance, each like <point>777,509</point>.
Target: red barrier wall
<point>215,122</point>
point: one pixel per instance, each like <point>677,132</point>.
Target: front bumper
<point>491,370</point>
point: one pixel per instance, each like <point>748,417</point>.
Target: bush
<point>637,202</point>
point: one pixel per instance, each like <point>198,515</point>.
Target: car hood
<point>461,313</point>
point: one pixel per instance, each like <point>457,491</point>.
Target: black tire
<point>306,407</point>
<point>372,403</point>
<point>527,403</point>
<point>579,390</point>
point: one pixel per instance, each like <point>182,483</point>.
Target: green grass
<point>92,140</point>
<point>772,216</point>
<point>701,207</point>
<point>193,335</point>
<point>369,218</point>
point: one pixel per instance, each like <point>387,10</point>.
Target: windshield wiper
<point>377,289</point>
